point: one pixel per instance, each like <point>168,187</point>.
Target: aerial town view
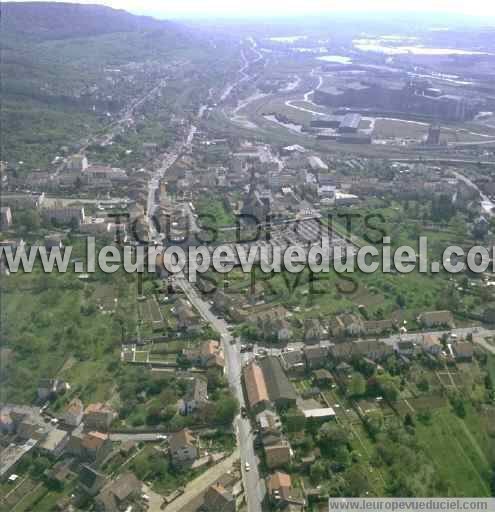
<point>247,256</point>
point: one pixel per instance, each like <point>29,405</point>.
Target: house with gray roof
<point>280,390</point>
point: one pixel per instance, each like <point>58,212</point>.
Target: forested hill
<point>53,20</point>
<point>57,83</point>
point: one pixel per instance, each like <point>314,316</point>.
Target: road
<point>242,71</point>
<point>110,130</point>
<point>479,333</point>
<point>487,205</point>
<point>306,99</point>
<point>146,437</point>
<point>253,485</point>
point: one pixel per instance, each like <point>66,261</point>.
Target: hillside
<point>56,60</point>
<point>51,20</point>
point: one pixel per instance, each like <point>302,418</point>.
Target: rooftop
<point>98,408</point>
<point>255,384</point>
<point>277,383</point>
<point>94,440</point>
<point>180,439</point>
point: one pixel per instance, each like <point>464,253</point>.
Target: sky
<point>239,8</point>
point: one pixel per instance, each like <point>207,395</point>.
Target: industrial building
<point>326,122</point>
<point>433,138</point>
<point>413,97</point>
<point>350,123</point>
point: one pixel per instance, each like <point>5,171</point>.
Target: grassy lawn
<point>214,211</point>
<point>154,466</point>
<point>141,356</point>
<point>83,382</point>
<point>49,320</point>
<point>45,500</point>
<point>491,366</point>
<point>456,453</point>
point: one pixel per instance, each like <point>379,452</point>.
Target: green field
<point>459,450</point>
<point>53,328</point>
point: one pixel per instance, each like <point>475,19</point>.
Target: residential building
<point>293,363</point>
<point>94,226</point>
<point>378,326</point>
<point>95,447</point>
<point>73,413</point>
<point>187,320</point>
<point>463,351</point>
<point>280,391</point>
<point>322,377</point>
<point>437,319</point>
<point>273,324</point>
<point>372,349</point>
<point>98,416</point>
<point>54,240</point>
<point>347,325</point>
<point>211,355</point>
<point>7,425</point>
<point>63,215</point>
<point>50,388</point>
<point>182,448</point>
<point>90,480</point>
<point>256,389</point>
<point>279,486</point>
<point>196,396</point>
<point>314,331</point>
<point>218,499</point>
<point>278,455</point>
<point>281,493</point>
<point>316,356</point>
<point>54,442</point>
<point>60,472</point>
<point>120,495</point>
<point>77,163</point>
<point>268,421</point>
<point>431,343</point>
<point>33,200</point>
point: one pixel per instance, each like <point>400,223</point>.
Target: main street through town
<point>253,485</point>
